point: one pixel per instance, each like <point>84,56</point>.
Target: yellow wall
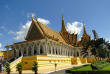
<point>108,59</point>
<point>92,59</point>
<point>1,53</point>
<point>28,62</point>
<point>5,54</point>
<point>83,60</point>
<point>42,60</point>
<point>74,60</point>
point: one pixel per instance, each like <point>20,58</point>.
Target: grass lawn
<point>85,68</point>
<point>107,68</point>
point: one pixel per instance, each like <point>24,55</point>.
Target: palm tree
<point>97,49</point>
<point>35,67</point>
<point>7,68</point>
<point>19,67</point>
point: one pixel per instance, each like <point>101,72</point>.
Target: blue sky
<point>15,15</point>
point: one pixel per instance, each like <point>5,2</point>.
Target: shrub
<point>19,68</point>
<point>7,68</point>
<point>35,67</point>
<point>89,72</point>
<point>98,65</point>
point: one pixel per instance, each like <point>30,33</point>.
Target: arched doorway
<point>24,54</point>
<point>41,50</point>
<point>29,51</point>
<point>19,52</point>
<point>77,54</point>
<point>53,51</point>
<point>35,50</point>
<point>56,51</point>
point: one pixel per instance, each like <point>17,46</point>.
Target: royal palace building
<point>42,40</point>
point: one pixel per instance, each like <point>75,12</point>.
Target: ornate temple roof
<point>45,31</point>
<point>49,32</point>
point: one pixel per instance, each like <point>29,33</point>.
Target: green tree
<point>7,68</point>
<point>96,47</point>
<point>35,67</point>
<point>19,67</point>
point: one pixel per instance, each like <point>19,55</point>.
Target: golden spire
<point>84,29</point>
<point>63,29</point>
<point>7,44</point>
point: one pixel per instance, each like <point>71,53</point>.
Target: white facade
<point>44,46</point>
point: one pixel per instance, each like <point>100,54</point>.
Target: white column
<point>32,51</point>
<point>51,50</point>
<point>22,51</point>
<point>54,50</point>
<point>39,49</point>
<point>67,52</point>
<point>17,52</point>
<point>27,49</point>
<point>44,49</point>
<point>12,54</point>
<point>60,49</point>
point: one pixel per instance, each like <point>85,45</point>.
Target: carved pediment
<point>34,32</point>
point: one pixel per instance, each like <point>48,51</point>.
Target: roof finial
<point>36,18</point>
<point>7,44</point>
<point>31,16</point>
<point>62,16</point>
<point>13,41</point>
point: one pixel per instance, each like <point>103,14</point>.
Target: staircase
<point>79,61</point>
<point>14,63</point>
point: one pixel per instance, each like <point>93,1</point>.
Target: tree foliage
<point>7,67</point>
<point>19,67</point>
<point>35,67</point>
<point>97,50</point>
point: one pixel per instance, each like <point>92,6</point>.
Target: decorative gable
<point>34,32</point>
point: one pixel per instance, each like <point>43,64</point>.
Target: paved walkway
<point>58,72</point>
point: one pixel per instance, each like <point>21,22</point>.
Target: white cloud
<point>23,31</point>
<point>29,15</point>
<point>44,21</point>
<point>11,32</point>
<point>0,45</point>
<point>107,39</point>
<point>6,6</point>
<point>2,27</point>
<point>75,27</point>
<point>1,34</point>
